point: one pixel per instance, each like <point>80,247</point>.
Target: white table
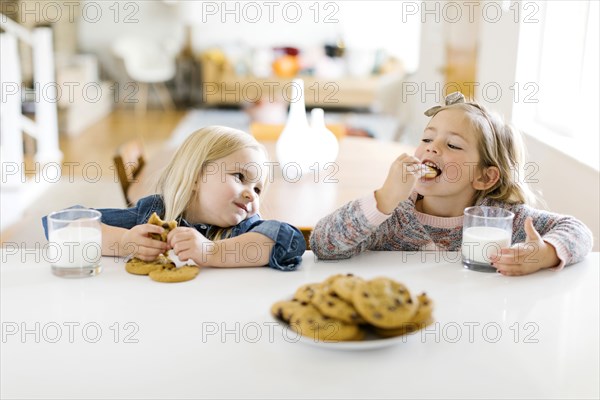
<point>118,335</point>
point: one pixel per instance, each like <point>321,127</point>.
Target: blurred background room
<point>82,80</point>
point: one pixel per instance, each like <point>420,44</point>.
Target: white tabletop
<point>118,335</point>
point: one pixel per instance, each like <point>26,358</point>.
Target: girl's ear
<point>488,178</point>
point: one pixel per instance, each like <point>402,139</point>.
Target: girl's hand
<point>526,258</point>
<point>138,243</point>
<point>189,244</point>
<point>398,185</point>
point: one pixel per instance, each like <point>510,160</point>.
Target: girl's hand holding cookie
<point>189,244</point>
<point>138,243</point>
<point>528,257</point>
<point>398,185</point>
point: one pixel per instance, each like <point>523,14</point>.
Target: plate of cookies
<point>163,268</point>
<point>348,312</point>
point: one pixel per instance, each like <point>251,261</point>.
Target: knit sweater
<point>359,226</point>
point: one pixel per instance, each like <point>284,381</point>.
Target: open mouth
<point>433,167</point>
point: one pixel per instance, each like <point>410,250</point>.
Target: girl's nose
<point>248,195</point>
<point>432,147</point>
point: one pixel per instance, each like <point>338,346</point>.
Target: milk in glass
<point>75,247</point>
<point>480,242</point>
<point>486,230</point>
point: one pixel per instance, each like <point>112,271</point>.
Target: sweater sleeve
<point>348,231</point>
<point>569,236</point>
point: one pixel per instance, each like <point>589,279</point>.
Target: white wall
<point>422,89</point>
<point>567,185</point>
<point>362,25</point>
<point>102,22</point>
<point>257,25</point>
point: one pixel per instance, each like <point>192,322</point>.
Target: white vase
<point>294,147</point>
<point>326,144</point>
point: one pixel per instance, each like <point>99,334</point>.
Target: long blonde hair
<point>178,182</point>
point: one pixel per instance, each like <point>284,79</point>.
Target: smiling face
<point>229,189</point>
<point>449,144</point>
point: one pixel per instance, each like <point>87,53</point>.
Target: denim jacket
<point>286,255</point>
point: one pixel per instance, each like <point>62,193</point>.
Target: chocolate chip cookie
<point>167,226</point>
<point>423,317</point>
<point>344,285</point>
<point>331,305</point>
<point>311,323</point>
<point>139,267</point>
<point>384,302</point>
<point>285,309</point>
<point>174,275</point>
<point>306,292</point>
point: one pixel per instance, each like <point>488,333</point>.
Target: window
<point>389,25</point>
<point>563,75</point>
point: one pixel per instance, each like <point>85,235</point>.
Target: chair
<point>150,64</point>
<point>306,231</point>
<point>129,161</point>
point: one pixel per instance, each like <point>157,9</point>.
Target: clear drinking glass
<point>75,247</point>
<point>485,231</point>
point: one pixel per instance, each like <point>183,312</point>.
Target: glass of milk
<point>75,242</point>
<point>486,230</point>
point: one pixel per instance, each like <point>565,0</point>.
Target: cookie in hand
<point>168,227</point>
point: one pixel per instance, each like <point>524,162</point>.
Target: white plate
<point>369,342</point>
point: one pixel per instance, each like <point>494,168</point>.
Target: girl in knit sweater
<point>477,160</point>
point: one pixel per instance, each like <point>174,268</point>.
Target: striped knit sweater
<point>359,226</point>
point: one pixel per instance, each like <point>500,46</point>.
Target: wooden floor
<point>98,143</point>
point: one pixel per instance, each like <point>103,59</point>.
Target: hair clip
<point>458,97</point>
<point>455,97</point>
<point>452,98</point>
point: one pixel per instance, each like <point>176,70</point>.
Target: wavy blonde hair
<point>178,182</point>
<point>500,145</point>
